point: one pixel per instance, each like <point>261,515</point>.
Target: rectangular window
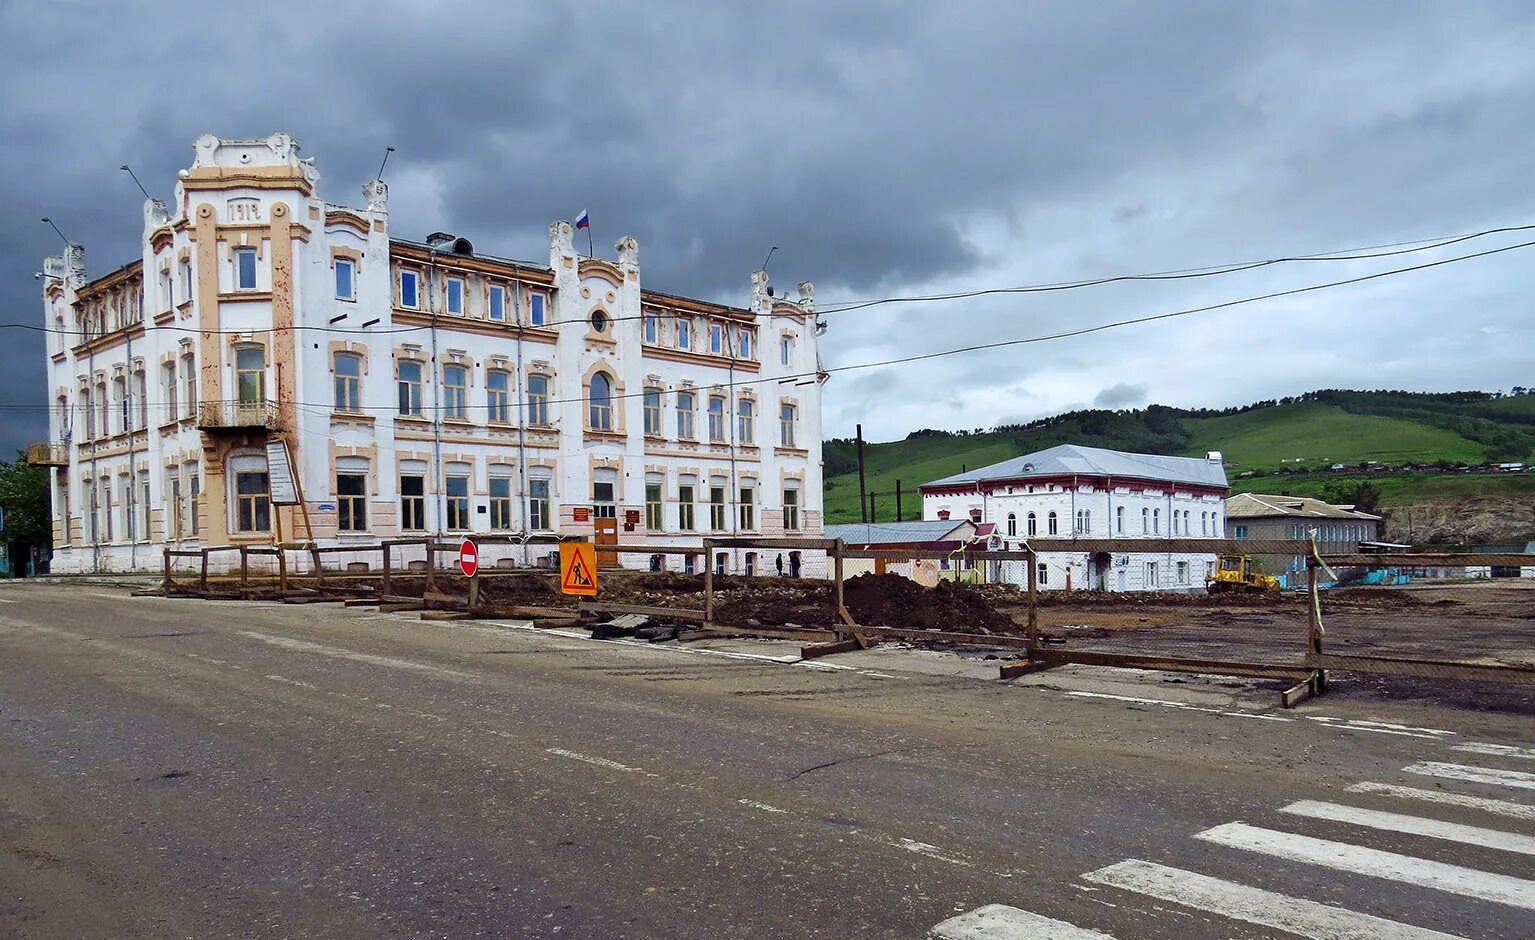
<point>717,508</point>
<point>348,369</point>
<point>716,338</point>
<point>685,507</point>
<point>455,392</point>
<point>748,509</point>
<point>1151,574</point>
<point>536,315</point>
<point>194,502</point>
<point>603,505</point>
<point>345,289</point>
<point>1119,519</point>
<point>786,421</point>
<point>684,333</point>
<point>745,343</point>
<point>90,414</point>
<point>254,509</point>
<point>189,377</point>
<point>410,297</point>
<point>1042,574</point>
<point>168,380</point>
<point>538,505</point>
<point>120,395</point>
<point>652,329</point>
<point>456,296</point>
<point>652,413</point>
<point>352,502</point>
<point>130,509</point>
<point>785,349</point>
<point>174,517</point>
<point>746,427</point>
<point>410,387</point>
<point>497,303</point>
<point>141,392</point>
<point>1156,522</point>
<point>245,269</point>
<point>1241,531</point>
<point>458,503</point>
<point>717,420</point>
<point>791,510</point>
<point>1183,572</point>
<point>185,268</point>
<point>500,502</point>
<point>538,401</point>
<point>653,507</point>
<point>413,503</point>
<point>250,375</point>
<point>684,416</point>
<point>497,391</point>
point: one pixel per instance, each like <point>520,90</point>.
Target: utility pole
<point>863,499</point>
<point>871,508</point>
<point>899,516</point>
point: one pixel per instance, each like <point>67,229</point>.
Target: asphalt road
<point>178,768</point>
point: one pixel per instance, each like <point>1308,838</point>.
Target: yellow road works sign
<point>578,568</point>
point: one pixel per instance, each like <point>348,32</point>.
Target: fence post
<point>708,582</point>
<point>474,589</point>
<point>431,562</point>
<point>385,547</point>
<point>1314,609</point>
<point>244,565</point>
<point>202,579</point>
<point>166,584</point>
<point>319,568</point>
<point>282,570</point>
<point>843,617</point>
<point>1033,625</point>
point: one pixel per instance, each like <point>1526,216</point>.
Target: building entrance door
<point>605,532</point>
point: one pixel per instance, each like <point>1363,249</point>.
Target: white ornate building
<point>422,386</point>
<point>1071,491</point>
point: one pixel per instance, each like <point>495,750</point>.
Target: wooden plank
<point>772,633</point>
<point>516,612</point>
<point>1024,667</point>
<point>361,601</point>
<point>672,613</point>
<point>446,615</point>
<point>946,636</point>
<point>437,597</point>
<point>817,650</point>
<point>399,608</point>
<point>1214,667</point>
<point>1426,668</point>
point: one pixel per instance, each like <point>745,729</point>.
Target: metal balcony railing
<point>48,454</point>
<point>238,415</point>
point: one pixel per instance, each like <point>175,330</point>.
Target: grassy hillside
<point>1323,428</point>
<point>1399,489</point>
<point>1322,435</point>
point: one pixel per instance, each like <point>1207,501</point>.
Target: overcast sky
<point>884,149</point>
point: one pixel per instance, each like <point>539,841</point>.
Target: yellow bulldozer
<point>1239,573</point>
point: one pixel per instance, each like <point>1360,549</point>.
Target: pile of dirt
<point>890,600</point>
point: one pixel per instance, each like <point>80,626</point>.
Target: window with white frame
<point>652,329</point>
<point>1012,523</point>
<point>716,338</point>
<point>1052,524</point>
<point>1183,572</point>
<point>653,488</point>
<point>168,384</point>
<point>1156,522</point>
<point>352,494</point>
<point>687,488</point>
<point>184,268</point>
<point>455,296</point>
<point>457,499</point>
<point>250,375</point>
<point>745,344</point>
<point>717,505</point>
<point>1031,525</point>
<point>685,416</point>
<point>1042,573</point>
<point>496,303</point>
<point>536,308</point>
<point>653,414</point>
<point>500,497</point>
<point>1119,519</point>
<point>788,417</point>
<point>410,289</point>
<point>189,384</point>
<point>746,421</point>
<point>747,508</point>
<point>1151,575</point>
<point>785,349</point>
<point>346,288</point>
<point>539,480</point>
<point>716,419</point>
<point>791,508</point>
<point>684,333</point>
<point>252,501</point>
<point>245,268</point>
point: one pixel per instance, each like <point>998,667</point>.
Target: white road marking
<point>1405,869</point>
<point>1498,750</point>
<point>7,600</point>
<point>304,646</point>
<point>113,597</point>
<point>1298,916</point>
<point>1000,922</point>
<point>1414,825</point>
<point>285,679</point>
<point>588,759</point>
<point>765,807</point>
<point>1514,779</point>
<point>1501,807</point>
<point>1362,724</point>
<point>933,851</point>
<point>1166,703</point>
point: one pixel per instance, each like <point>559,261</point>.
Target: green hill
<point>1310,432</point>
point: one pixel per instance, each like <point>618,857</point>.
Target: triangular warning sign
<point>577,577</point>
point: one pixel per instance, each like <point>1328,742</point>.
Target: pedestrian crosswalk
<point>1390,832</point>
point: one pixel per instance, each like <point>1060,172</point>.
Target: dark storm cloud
<point>1123,395</point>
<point>884,147</point>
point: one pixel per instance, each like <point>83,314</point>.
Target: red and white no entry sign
<point>468,558</point>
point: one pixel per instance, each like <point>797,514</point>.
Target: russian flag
<point>583,220</point>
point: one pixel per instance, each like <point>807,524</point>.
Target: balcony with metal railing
<point>48,454</point>
<point>239,416</point>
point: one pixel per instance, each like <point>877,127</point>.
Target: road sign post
<point>578,569</point>
<point>469,564</point>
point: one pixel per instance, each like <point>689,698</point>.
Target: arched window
<point>1145,520</point>
<point>600,412</point>
<point>1204,523</point>
<point>1033,524</point>
<point>1053,524</point>
<point>538,400</point>
<point>1119,519</point>
<point>1012,523</point>
<point>250,375</point>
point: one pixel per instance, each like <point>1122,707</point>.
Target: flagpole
<point>590,253</point>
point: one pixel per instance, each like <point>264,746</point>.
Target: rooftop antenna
<point>769,257</point>
<point>56,230</point>
<point>387,152</point>
<point>136,182</point>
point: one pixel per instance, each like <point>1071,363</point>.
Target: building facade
<point>1070,491</point>
<point>421,387</point>
<point>1260,517</point>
